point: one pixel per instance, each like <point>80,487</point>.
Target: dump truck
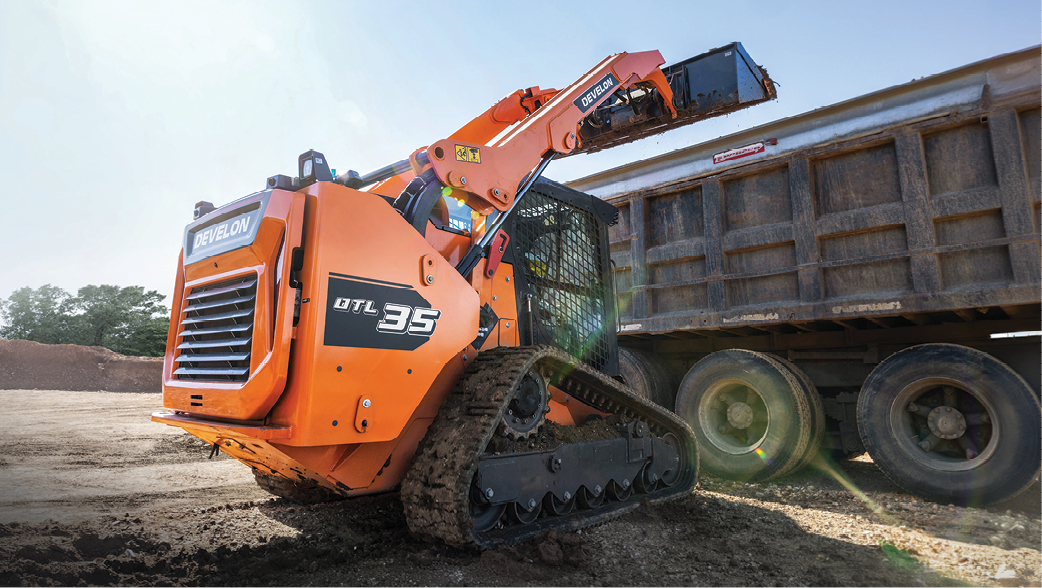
<point>442,326</point>
<point>848,279</point>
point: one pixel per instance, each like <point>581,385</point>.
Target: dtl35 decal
<point>369,313</point>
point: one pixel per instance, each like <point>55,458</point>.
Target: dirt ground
<point>93,493</point>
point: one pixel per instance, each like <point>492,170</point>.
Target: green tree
<point>145,335</point>
<point>126,320</point>
<point>40,315</point>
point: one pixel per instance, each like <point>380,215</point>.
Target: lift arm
<point>514,108</point>
<point>492,173</point>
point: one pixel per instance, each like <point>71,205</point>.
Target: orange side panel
<point>358,249</point>
<point>375,467</point>
<point>451,246</point>
<point>352,469</point>
<point>499,294</point>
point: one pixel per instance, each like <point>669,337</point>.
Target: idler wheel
<point>484,514</point>
<point>523,514</point>
<point>620,491</point>
<point>590,498</point>
<point>558,507</point>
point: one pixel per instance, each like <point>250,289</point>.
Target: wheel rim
<point>485,516</point>
<point>733,416</point>
<point>643,482</point>
<point>944,425</point>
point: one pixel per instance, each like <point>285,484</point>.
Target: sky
<point>116,117</point>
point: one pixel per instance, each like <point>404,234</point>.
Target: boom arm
<point>489,165</point>
<point>493,156</point>
<point>514,108</point>
<point>491,174</point>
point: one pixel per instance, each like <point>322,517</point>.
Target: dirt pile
<point>28,365</point>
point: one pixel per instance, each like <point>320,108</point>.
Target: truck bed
<point>915,206</point>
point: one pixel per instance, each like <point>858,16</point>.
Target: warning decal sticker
<point>739,153</point>
<point>468,154</point>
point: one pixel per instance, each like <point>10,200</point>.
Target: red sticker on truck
<point>739,152</point>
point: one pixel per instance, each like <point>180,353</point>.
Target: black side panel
<point>559,250</point>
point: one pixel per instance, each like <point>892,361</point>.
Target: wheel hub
<point>740,415</point>
<point>527,407</point>
<point>946,422</point>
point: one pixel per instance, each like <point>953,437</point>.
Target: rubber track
<point>435,492</point>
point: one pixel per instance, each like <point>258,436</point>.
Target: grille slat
<point>203,358</point>
<point>211,372</point>
<point>215,343</point>
<point>220,303</point>
<point>217,331</point>
<point>199,293</point>
<point>209,318</point>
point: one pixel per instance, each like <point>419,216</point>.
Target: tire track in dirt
<point>180,519</point>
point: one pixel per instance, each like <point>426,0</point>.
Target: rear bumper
<point>221,429</point>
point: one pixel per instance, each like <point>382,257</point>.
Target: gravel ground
<point>91,493</point>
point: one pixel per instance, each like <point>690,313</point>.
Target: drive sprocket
<point>527,407</point>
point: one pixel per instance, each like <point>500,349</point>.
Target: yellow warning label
<point>468,154</point>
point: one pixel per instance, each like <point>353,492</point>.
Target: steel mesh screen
<point>559,257</point>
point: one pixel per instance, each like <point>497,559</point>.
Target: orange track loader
<point>444,325</point>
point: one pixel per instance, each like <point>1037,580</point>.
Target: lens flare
<point>763,456</point>
<point>826,466</point>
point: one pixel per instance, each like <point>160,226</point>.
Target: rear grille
<point>560,261</point>
<point>216,331</point>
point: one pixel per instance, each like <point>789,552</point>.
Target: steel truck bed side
<point>921,198</point>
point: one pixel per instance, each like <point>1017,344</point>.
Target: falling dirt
<point>92,493</point>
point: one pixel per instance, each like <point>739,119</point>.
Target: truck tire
<point>817,411</point>
<point>304,493</point>
<point>750,414</point>
<point>647,376</point>
<point>951,424</point>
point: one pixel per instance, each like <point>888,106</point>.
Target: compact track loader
<point>444,325</point>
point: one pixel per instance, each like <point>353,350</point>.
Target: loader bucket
<point>715,83</point>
